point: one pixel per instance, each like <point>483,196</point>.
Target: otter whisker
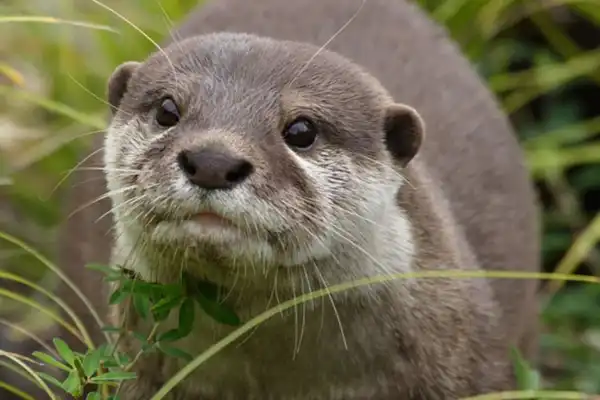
<point>331,39</point>
<point>303,308</point>
<point>94,95</point>
<point>107,169</point>
<point>92,154</point>
<point>141,31</point>
<point>102,197</point>
<point>322,278</point>
<point>127,203</point>
<point>293,283</point>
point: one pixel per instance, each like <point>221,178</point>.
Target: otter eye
<point>167,113</point>
<point>300,134</point>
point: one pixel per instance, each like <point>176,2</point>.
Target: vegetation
<point>55,57</point>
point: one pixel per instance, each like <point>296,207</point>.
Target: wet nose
<point>211,168</point>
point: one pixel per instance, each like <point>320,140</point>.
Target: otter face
<point>250,149</point>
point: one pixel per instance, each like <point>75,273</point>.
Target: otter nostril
<point>239,172</point>
<point>186,164</point>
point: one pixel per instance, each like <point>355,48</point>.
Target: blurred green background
<point>541,58</point>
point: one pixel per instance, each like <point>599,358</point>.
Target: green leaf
<point>72,384</point>
<point>140,337</point>
<point>162,309</point>
<point>219,312</point>
<point>50,379</point>
<point>141,287</point>
<point>65,352</point>
<point>49,360</point>
<point>117,376</point>
<point>175,352</point>
<point>91,362</point>
<point>123,358</point>
<point>94,396</point>
<point>111,329</point>
<point>186,316</point>
<point>527,378</point>
<point>170,336</point>
<point>208,289</point>
<point>142,305</point>
<point>105,269</point>
<point>118,296</point>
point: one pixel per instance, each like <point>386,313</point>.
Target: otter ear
<point>404,129</point>
<point>117,84</point>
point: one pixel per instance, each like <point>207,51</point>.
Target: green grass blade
<point>55,21</point>
<point>17,392</point>
<point>61,275</point>
<point>65,307</point>
<point>42,309</point>
<point>254,322</point>
<point>30,335</point>
<point>32,373</point>
<point>54,106</point>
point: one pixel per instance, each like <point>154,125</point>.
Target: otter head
<point>231,150</point>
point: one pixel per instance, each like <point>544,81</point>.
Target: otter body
<point>265,164</point>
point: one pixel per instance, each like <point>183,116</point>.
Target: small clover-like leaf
<point>123,358</point>
<point>209,290</point>
<point>92,360</point>
<point>50,379</point>
<point>105,269</point>
<point>118,296</point>
<point>94,396</point>
<point>175,352</point>
<point>186,316</point>
<point>162,309</point>
<point>142,305</point>
<point>65,351</point>
<point>72,384</point>
<point>49,360</point>
<point>170,336</point>
<point>527,378</point>
<point>114,376</point>
<point>220,312</point>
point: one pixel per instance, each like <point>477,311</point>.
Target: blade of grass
<point>30,335</point>
<point>30,372</point>
<point>42,309</point>
<point>540,160</point>
<point>585,241</point>
<point>12,74</point>
<point>17,392</point>
<point>19,372</point>
<point>51,20</point>
<point>61,275</point>
<point>566,135</point>
<point>532,394</point>
<point>549,76</point>
<point>65,307</point>
<point>55,107</point>
<point>254,322</point>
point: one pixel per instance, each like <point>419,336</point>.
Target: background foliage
<point>541,58</point>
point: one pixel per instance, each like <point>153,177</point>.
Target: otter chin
<point>201,226</point>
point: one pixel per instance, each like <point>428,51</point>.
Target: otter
<point>270,160</point>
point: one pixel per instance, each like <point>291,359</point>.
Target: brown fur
<point>471,206</point>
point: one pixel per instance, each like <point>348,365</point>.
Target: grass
<point>57,55</point>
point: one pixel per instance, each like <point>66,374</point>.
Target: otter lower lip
<point>211,219</point>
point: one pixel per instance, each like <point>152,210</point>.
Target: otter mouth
<point>212,219</point>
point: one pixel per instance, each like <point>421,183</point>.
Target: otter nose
<point>213,169</point>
